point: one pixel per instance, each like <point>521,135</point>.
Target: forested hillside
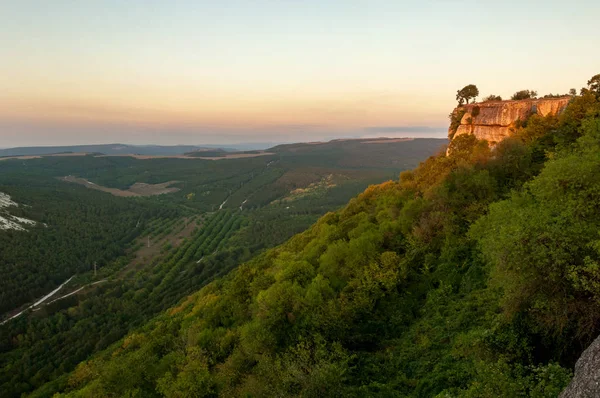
<point>306,184</point>
<point>132,258</point>
<point>475,275</point>
<point>75,228</point>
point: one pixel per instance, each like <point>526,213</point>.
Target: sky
<point>224,72</point>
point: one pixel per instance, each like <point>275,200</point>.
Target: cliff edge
<point>493,121</point>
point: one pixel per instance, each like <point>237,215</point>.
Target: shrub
<point>455,118</point>
<point>555,95</point>
<point>492,97</point>
<point>524,94</point>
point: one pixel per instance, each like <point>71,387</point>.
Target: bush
<point>555,95</point>
<point>524,94</point>
<point>492,97</point>
<point>455,118</point>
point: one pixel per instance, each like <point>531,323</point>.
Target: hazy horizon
<point>257,144</point>
<point>233,71</point>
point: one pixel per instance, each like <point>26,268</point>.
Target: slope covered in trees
<point>74,228</point>
<point>474,275</point>
<point>224,214</point>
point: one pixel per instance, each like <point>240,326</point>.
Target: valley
<point>132,237</point>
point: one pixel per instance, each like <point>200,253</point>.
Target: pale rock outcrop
<point>496,119</point>
<point>586,382</point>
<point>8,221</point>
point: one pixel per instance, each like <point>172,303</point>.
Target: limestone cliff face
<point>496,119</point>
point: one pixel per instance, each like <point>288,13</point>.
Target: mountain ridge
<point>107,149</point>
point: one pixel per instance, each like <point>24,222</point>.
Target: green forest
<point>34,262</point>
<point>474,275</point>
<point>104,226</point>
<point>131,258</point>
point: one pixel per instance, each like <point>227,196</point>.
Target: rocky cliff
<point>494,121</point>
<point>586,382</point>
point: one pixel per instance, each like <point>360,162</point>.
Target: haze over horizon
<point>223,73</point>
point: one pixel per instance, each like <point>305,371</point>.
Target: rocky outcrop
<point>586,382</point>
<point>494,121</point>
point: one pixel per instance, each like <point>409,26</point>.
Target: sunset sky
<point>207,72</point>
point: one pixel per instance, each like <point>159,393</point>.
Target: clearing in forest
<point>137,189</point>
<point>178,231</point>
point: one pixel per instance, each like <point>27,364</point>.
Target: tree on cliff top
<point>466,93</point>
<point>492,97</point>
<point>524,94</point>
<point>594,84</point>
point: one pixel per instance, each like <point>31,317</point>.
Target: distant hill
<point>124,149</point>
<point>380,153</point>
<point>219,153</point>
<point>107,149</point>
<point>206,152</point>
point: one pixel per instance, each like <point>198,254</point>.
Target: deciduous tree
<point>467,93</point>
